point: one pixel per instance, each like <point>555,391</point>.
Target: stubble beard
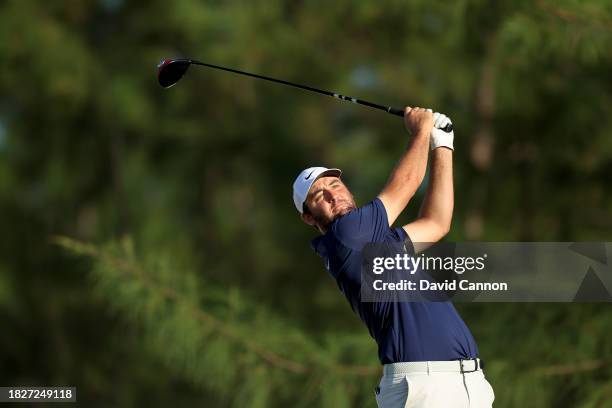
<point>323,221</point>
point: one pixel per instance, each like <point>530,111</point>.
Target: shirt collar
<point>319,245</point>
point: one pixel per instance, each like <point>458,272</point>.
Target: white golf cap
<point>304,181</point>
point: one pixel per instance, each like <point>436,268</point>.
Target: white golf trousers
<point>415,388</point>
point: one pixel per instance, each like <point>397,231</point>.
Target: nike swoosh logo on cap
<point>309,175</point>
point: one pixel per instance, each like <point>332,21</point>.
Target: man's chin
<point>343,211</point>
<point>324,223</point>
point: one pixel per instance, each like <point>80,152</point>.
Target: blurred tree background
<point>184,275</point>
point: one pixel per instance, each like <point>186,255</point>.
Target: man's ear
<point>308,219</point>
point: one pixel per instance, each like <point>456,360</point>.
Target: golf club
<point>170,71</point>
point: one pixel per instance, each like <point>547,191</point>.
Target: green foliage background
<point>187,277</point>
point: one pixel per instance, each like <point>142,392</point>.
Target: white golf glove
<point>440,138</point>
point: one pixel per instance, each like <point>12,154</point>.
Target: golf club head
<point>169,71</point>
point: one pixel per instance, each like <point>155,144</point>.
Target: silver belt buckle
<point>462,371</point>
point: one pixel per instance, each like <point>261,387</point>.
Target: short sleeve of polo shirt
<point>362,225</point>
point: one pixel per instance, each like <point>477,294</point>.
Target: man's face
<point>327,200</point>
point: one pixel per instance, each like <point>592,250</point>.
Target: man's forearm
<point>409,172</point>
<point>439,198</point>
<point>407,175</point>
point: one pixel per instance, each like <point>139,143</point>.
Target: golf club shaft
<point>389,109</point>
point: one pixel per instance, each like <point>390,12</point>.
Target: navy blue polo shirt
<point>404,331</point>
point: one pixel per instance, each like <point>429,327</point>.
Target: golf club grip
<point>395,111</point>
<point>400,112</point>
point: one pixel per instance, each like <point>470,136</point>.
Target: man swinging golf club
<point>429,356</point>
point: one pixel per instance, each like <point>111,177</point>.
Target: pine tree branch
<point>167,293</point>
<point>570,17</point>
<point>566,369</point>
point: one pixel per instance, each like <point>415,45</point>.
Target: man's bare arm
<point>436,212</point>
<point>409,172</point>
